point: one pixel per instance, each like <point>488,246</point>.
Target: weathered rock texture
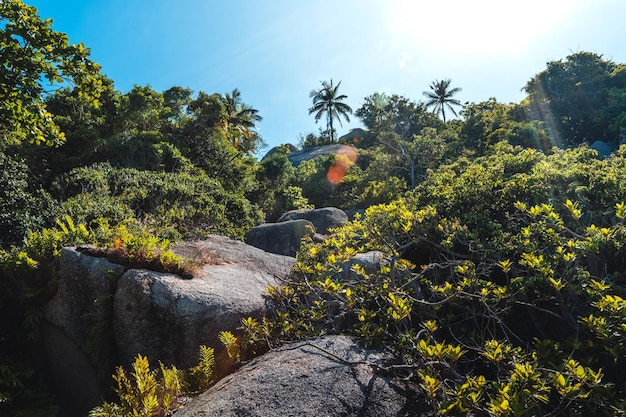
<point>167,318</point>
<point>322,218</point>
<point>111,315</point>
<point>280,238</point>
<point>77,335</point>
<point>330,376</point>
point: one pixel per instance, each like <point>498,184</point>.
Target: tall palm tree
<point>327,101</point>
<point>440,97</point>
<point>242,119</point>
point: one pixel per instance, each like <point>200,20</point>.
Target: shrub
<point>502,292</point>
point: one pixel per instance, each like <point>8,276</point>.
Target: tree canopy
<point>581,98</point>
<point>34,61</point>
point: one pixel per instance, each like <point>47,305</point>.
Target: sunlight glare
<point>478,27</point>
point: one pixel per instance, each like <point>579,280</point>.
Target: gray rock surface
<point>604,149</point>
<point>307,154</point>
<point>280,238</point>
<point>102,315</point>
<point>322,218</point>
<point>330,376</point>
<point>166,318</point>
<point>77,337</point>
<point>83,297</point>
<point>370,261</point>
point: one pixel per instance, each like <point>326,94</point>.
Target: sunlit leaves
<point>620,210</point>
<point>439,351</point>
<point>495,264</point>
<point>400,307</point>
<point>430,385</point>
<point>496,351</point>
<point>35,61</point>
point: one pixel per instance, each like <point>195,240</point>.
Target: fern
<point>170,387</point>
<point>232,345</point>
<point>202,373</point>
<point>142,394</point>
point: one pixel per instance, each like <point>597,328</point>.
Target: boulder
<point>166,318</point>
<point>291,147</point>
<point>103,315</point>
<point>604,149</point>
<point>354,136</point>
<point>322,219</point>
<point>370,261</point>
<point>83,300</point>
<point>307,154</point>
<point>329,376</point>
<point>280,238</point>
<point>77,338</point>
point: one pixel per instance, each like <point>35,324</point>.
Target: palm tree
<point>242,119</point>
<point>326,100</point>
<point>441,97</point>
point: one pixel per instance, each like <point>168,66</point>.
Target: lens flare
<point>335,174</point>
<point>346,157</point>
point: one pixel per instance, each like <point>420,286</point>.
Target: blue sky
<point>276,51</point>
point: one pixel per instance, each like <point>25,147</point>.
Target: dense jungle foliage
<point>502,234</point>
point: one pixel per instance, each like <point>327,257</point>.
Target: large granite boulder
<point>330,376</point>
<point>322,218</point>
<point>166,318</point>
<point>77,340</point>
<point>104,314</point>
<point>83,300</point>
<point>281,238</point>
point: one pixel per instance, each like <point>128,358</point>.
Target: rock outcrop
<point>322,218</point>
<point>284,236</point>
<point>330,376</point>
<point>307,154</point>
<point>78,342</point>
<point>280,238</point>
<point>106,314</point>
<point>165,317</point>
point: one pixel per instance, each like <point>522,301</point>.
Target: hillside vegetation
<point>503,233</point>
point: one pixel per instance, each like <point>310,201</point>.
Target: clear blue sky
<point>276,51</point>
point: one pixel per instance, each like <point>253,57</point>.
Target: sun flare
<point>478,27</point>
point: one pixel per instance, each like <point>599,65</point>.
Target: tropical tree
<point>580,98</point>
<point>440,97</point>
<point>327,101</point>
<point>35,60</point>
<point>242,121</point>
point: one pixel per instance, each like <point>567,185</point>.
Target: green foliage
<point>501,283</point>
<point>22,209</point>
<point>580,99</point>
<point>381,113</point>
<point>156,392</point>
<point>19,394</point>
<point>490,122</point>
<point>177,204</point>
<point>202,373</point>
<point>146,393</point>
<point>277,193</point>
<point>232,345</point>
<point>36,59</point>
